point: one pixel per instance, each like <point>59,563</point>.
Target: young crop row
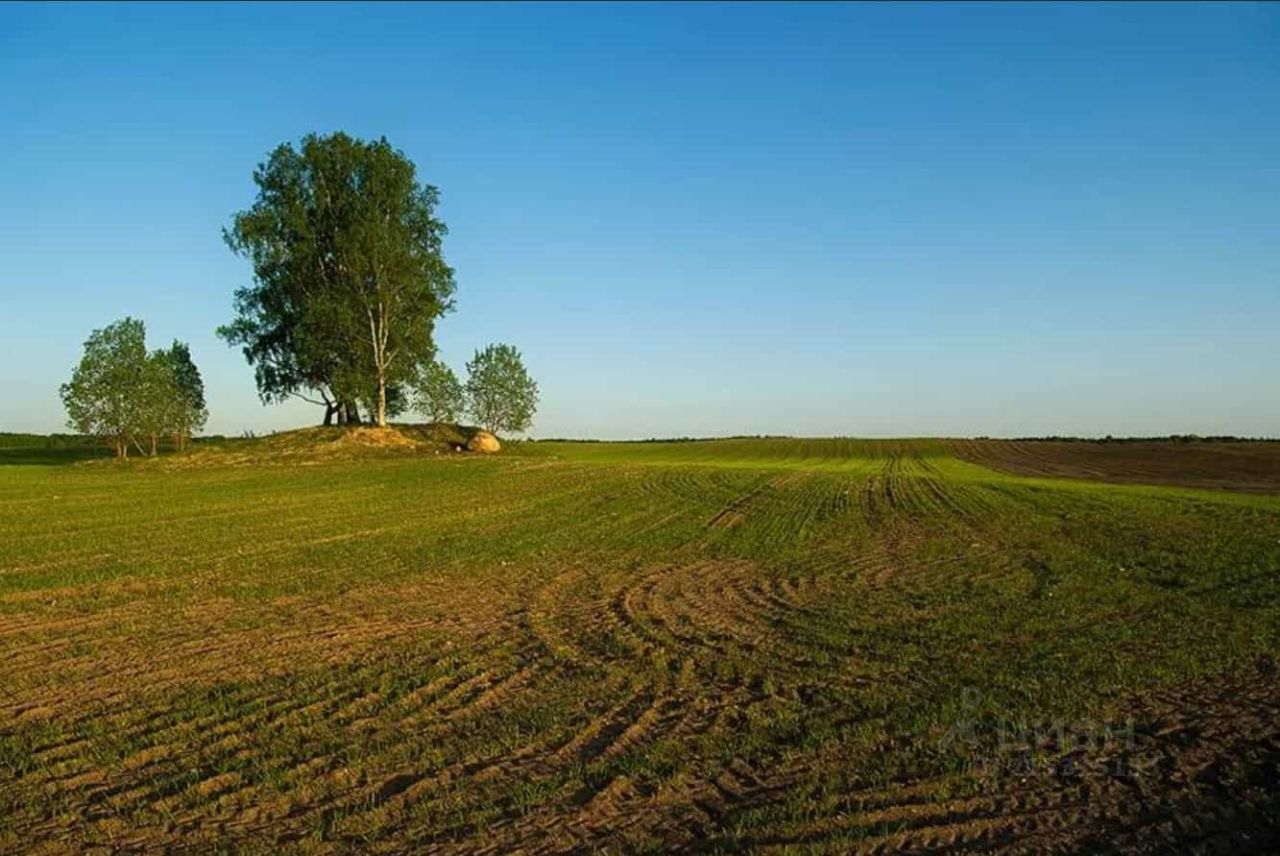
<point>620,648</point>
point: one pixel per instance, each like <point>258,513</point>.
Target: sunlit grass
<point>409,648</point>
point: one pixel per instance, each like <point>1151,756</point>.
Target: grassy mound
<point>315,445</point>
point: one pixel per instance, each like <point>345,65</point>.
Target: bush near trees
<point>127,396</point>
<point>500,393</point>
<point>349,277</point>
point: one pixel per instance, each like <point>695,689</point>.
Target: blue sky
<point>694,220</point>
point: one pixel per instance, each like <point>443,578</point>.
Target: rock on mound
<point>483,441</point>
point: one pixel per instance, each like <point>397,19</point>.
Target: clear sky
<point>694,220</point>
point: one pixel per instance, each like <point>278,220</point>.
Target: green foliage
<point>192,411</point>
<point>121,393</point>
<point>171,398</point>
<point>157,399</point>
<point>18,440</point>
<point>102,397</point>
<point>500,393</point>
<point>437,392</point>
<point>348,273</point>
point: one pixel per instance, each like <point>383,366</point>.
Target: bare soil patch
<point>1242,466</point>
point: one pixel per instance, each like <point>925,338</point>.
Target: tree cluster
<point>349,278</point>
<point>128,396</point>
<point>498,393</point>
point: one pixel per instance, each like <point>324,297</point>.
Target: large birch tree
<point>349,276</point>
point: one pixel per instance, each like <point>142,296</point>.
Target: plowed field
<point>774,645</point>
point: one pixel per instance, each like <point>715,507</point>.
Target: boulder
<point>483,441</point>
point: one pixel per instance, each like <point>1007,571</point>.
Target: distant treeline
<point>19,440</point>
<point>1171,438</point>
<point>665,439</point>
<point>1054,438</point>
<point>12,440</point>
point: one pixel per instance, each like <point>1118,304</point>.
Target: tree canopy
<point>187,410</point>
<point>125,395</point>
<point>437,392</point>
<point>500,393</point>
<point>349,276</point>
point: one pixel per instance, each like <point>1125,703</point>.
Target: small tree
<point>437,393</point>
<point>171,401</point>
<point>102,396</point>
<point>156,402</point>
<point>190,412</point>
<point>500,393</point>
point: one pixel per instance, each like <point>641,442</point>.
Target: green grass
<point>391,650</point>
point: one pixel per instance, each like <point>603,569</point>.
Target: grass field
<point>791,645</point>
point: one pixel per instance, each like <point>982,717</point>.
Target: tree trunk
<point>155,442</point>
<point>331,410</point>
<point>382,402</point>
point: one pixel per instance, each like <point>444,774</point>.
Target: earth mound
<point>304,446</point>
<point>370,437</point>
<point>336,443</point>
